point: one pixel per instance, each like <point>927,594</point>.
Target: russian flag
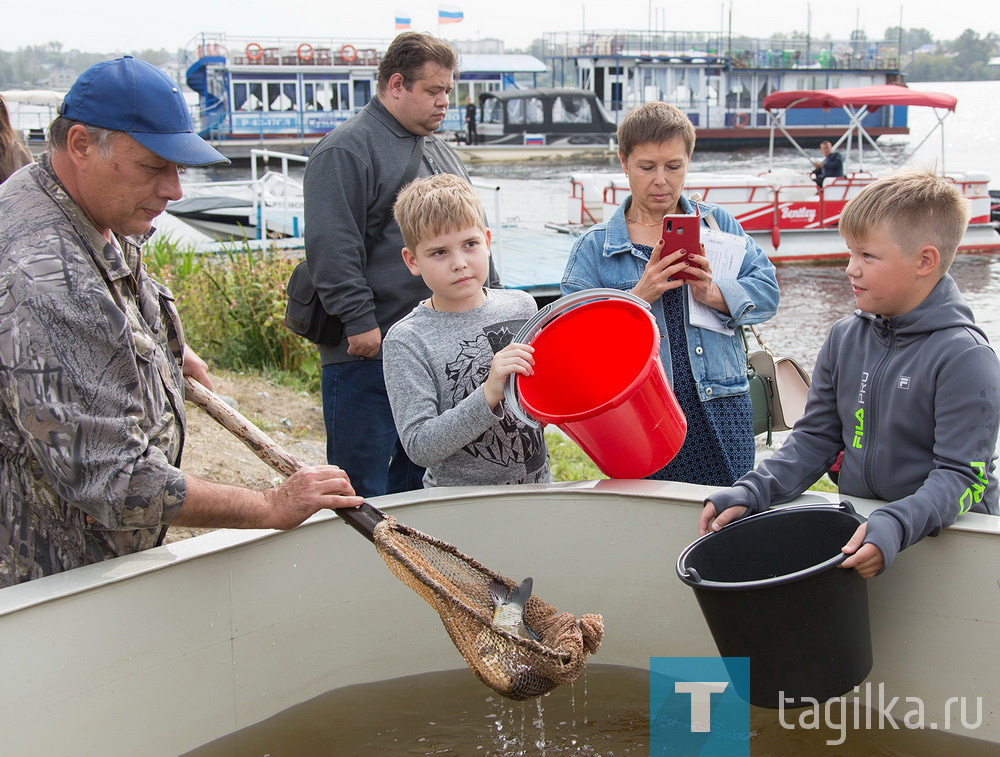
<point>449,14</point>
<point>402,20</point>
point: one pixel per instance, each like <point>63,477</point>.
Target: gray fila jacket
<point>914,402</point>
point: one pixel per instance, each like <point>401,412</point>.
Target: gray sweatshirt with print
<point>435,364</point>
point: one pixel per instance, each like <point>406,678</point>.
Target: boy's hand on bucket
<point>514,358</point>
<point>712,521</point>
<point>867,559</point>
<point>656,275</point>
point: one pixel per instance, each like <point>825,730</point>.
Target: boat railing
<point>586,198</point>
<point>288,205</point>
<point>286,51</point>
<point>974,186</point>
<point>719,49</point>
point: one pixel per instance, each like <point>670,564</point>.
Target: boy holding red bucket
<point>908,387</point>
<point>447,361</point>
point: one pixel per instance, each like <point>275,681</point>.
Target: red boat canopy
<point>873,97</point>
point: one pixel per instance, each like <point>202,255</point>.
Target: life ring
<point>741,120</point>
<point>305,51</point>
<point>254,51</point>
<point>349,53</point>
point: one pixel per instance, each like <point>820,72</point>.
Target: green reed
<point>232,306</point>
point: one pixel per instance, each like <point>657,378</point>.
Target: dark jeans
<point>360,433</point>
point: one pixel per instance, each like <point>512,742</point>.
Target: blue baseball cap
<point>130,95</point>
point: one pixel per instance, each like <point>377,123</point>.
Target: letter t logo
<point>701,701</point>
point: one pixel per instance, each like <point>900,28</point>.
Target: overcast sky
<point>111,25</point>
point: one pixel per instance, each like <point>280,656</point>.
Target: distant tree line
<point>922,58</point>
<point>34,65</point>
<point>961,59</point>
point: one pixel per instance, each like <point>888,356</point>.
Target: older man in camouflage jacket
<point>91,349</point>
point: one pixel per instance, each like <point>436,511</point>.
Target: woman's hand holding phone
<point>660,274</point>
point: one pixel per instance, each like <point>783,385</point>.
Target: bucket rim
<point>691,578</point>
<point>624,395</point>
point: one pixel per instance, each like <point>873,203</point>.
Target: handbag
<point>779,388</point>
<point>305,314</point>
<point>304,311</point>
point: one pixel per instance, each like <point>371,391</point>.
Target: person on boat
<point>908,386</point>
<point>446,362</point>
<point>92,354</point>
<point>470,122</point>
<point>706,367</point>
<point>13,152</point>
<point>352,249</point>
<point>831,166</point>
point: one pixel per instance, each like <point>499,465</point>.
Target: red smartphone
<point>682,232</point>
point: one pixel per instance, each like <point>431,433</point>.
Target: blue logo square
<point>694,708</point>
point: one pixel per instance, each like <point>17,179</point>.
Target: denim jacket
<point>604,257</point>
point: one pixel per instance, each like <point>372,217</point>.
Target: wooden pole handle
<point>260,443</point>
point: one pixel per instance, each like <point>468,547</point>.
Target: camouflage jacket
<point>91,399</point>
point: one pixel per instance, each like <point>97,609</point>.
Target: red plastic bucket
<point>599,378</point>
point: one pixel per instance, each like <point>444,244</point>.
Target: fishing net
<point>457,587</point>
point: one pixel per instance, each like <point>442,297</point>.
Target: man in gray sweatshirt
<point>353,249</point>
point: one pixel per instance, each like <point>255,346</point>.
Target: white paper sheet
<point>725,253</point>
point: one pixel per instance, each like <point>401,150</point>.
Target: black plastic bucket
<point>769,588</point>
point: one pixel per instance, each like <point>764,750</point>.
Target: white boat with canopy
<point>787,214</point>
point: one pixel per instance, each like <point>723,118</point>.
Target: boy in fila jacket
<point>908,386</point>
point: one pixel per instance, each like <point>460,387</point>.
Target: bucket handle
<point>691,575</point>
<point>844,505</point>
<point>546,315</point>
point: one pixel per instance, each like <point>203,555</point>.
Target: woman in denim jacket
<point>707,369</point>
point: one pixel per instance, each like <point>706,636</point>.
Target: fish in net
<point>458,588</point>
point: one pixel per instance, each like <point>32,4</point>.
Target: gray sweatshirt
<point>914,401</point>
<point>435,363</point>
<point>352,174</point>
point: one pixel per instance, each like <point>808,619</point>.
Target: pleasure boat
<point>270,205</point>
<point>786,213</point>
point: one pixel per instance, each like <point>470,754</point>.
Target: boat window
<point>571,109</point>
<point>362,92</point>
<point>740,89</point>
<point>281,96</point>
<point>247,96</point>
<point>616,95</point>
<point>319,95</point>
<point>603,111</point>
<point>525,110</point>
<point>492,111</point>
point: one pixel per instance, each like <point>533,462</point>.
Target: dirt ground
<point>293,419</point>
